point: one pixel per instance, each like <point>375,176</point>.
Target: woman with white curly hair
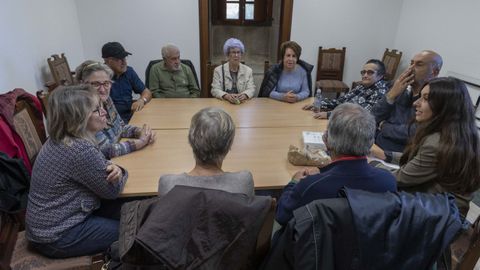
<point>233,81</point>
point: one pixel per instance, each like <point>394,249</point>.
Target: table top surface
<point>265,129</point>
<point>174,113</point>
<point>262,151</point>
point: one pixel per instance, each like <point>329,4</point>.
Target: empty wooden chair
<point>391,59</point>
<point>62,75</point>
<point>330,70</point>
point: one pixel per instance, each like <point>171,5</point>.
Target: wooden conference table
<point>265,129</point>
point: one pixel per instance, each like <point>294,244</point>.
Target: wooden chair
<point>391,59</point>
<point>466,249</point>
<point>477,112</point>
<point>15,253</point>
<point>265,234</point>
<point>29,128</point>
<point>330,70</point>
<point>42,95</point>
<point>210,68</point>
<point>62,75</point>
<point>266,67</point>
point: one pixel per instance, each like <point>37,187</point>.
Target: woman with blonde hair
<point>70,177</point>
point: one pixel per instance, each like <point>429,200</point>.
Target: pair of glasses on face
<point>105,84</point>
<point>98,110</point>
<point>235,52</point>
<point>368,72</point>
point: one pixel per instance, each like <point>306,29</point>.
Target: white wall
<point>142,26</point>
<point>447,27</point>
<point>30,32</point>
<point>364,27</point>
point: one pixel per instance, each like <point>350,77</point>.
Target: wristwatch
<point>145,101</point>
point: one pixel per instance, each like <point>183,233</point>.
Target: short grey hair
<point>211,135</point>
<point>351,130</point>
<point>233,43</point>
<point>87,68</point>
<point>167,49</point>
<point>69,110</point>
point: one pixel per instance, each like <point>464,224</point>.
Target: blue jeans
<point>94,235</point>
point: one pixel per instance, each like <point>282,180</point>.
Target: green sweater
<point>176,84</point>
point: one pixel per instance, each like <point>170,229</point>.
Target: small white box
<point>313,140</point>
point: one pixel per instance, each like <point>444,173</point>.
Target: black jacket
<point>367,230</point>
<point>14,184</point>
<point>270,79</point>
<point>192,228</point>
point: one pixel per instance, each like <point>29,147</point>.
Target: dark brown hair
<point>292,45</point>
<point>453,117</point>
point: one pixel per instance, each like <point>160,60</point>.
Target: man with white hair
<point>350,134</point>
<point>170,78</point>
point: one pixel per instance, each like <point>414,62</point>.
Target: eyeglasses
<point>99,110</point>
<point>105,84</point>
<point>235,52</point>
<point>369,72</point>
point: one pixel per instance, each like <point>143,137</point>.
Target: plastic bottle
<point>317,102</point>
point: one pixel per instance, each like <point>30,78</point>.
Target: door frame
<point>286,12</point>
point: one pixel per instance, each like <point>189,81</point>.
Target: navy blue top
<point>354,174</point>
<point>397,127</point>
<point>121,92</point>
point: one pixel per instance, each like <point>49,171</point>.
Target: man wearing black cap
<point>125,80</point>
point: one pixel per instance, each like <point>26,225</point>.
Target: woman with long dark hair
<point>444,154</point>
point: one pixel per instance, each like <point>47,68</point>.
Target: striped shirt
<point>109,138</point>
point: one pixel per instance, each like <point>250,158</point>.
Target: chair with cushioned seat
<point>16,255</point>
<point>330,70</point>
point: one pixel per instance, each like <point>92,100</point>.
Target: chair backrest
<point>265,234</point>
<point>60,69</point>
<point>477,112</point>
<point>42,95</point>
<point>184,61</point>
<point>466,249</point>
<point>391,59</point>
<point>9,228</point>
<point>28,127</point>
<point>210,68</point>
<point>266,67</point>
<point>330,64</point>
